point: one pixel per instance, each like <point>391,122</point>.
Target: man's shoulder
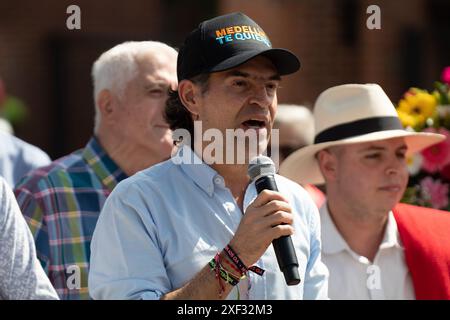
<point>23,149</point>
<point>298,196</point>
<point>160,173</point>
<point>412,212</point>
<point>157,175</point>
<point>290,186</point>
<point>161,168</point>
<point>44,176</point>
<point>422,222</point>
<point>424,235</point>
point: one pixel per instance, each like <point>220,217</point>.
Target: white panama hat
<point>351,113</point>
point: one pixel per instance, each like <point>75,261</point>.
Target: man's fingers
<point>282,230</point>
<point>266,196</point>
<point>274,206</point>
<point>280,217</point>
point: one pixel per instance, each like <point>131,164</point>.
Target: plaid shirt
<point>61,203</point>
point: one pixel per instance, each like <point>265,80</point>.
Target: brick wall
<point>335,46</point>
<point>48,66</point>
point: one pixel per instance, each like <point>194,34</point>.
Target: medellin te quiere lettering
<point>241,33</point>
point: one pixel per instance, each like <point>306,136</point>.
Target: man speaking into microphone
<point>196,226</point>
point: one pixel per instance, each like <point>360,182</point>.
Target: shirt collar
<point>333,242</point>
<point>203,175</point>
<point>391,235</point>
<point>103,166</point>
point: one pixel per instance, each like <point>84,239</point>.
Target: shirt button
<point>230,206</point>
<point>218,180</point>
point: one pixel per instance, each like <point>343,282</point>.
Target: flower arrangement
<point>420,110</point>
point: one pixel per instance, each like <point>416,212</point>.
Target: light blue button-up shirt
<point>18,157</point>
<point>160,227</point>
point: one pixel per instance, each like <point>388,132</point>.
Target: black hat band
<point>357,128</point>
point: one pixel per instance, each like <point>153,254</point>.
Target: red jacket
<point>425,234</point>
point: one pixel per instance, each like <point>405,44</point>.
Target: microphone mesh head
<point>261,166</point>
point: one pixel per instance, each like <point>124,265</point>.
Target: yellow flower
<point>418,104</point>
<point>408,120</point>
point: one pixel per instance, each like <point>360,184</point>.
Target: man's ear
<point>328,164</point>
<point>106,104</point>
<point>190,94</point>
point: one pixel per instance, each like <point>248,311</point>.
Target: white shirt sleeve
<point>316,274</point>
<point>21,275</point>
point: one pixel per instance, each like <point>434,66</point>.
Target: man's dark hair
<point>176,114</point>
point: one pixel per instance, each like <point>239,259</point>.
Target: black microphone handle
<point>283,246</point>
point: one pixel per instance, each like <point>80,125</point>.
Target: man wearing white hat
<point>374,247</point>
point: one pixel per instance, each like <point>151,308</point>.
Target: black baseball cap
<point>226,42</point>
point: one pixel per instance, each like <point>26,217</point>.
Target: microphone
<point>262,170</point>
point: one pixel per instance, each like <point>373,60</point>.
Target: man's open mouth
<point>253,124</point>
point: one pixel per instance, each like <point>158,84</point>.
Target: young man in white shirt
<point>373,247</point>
